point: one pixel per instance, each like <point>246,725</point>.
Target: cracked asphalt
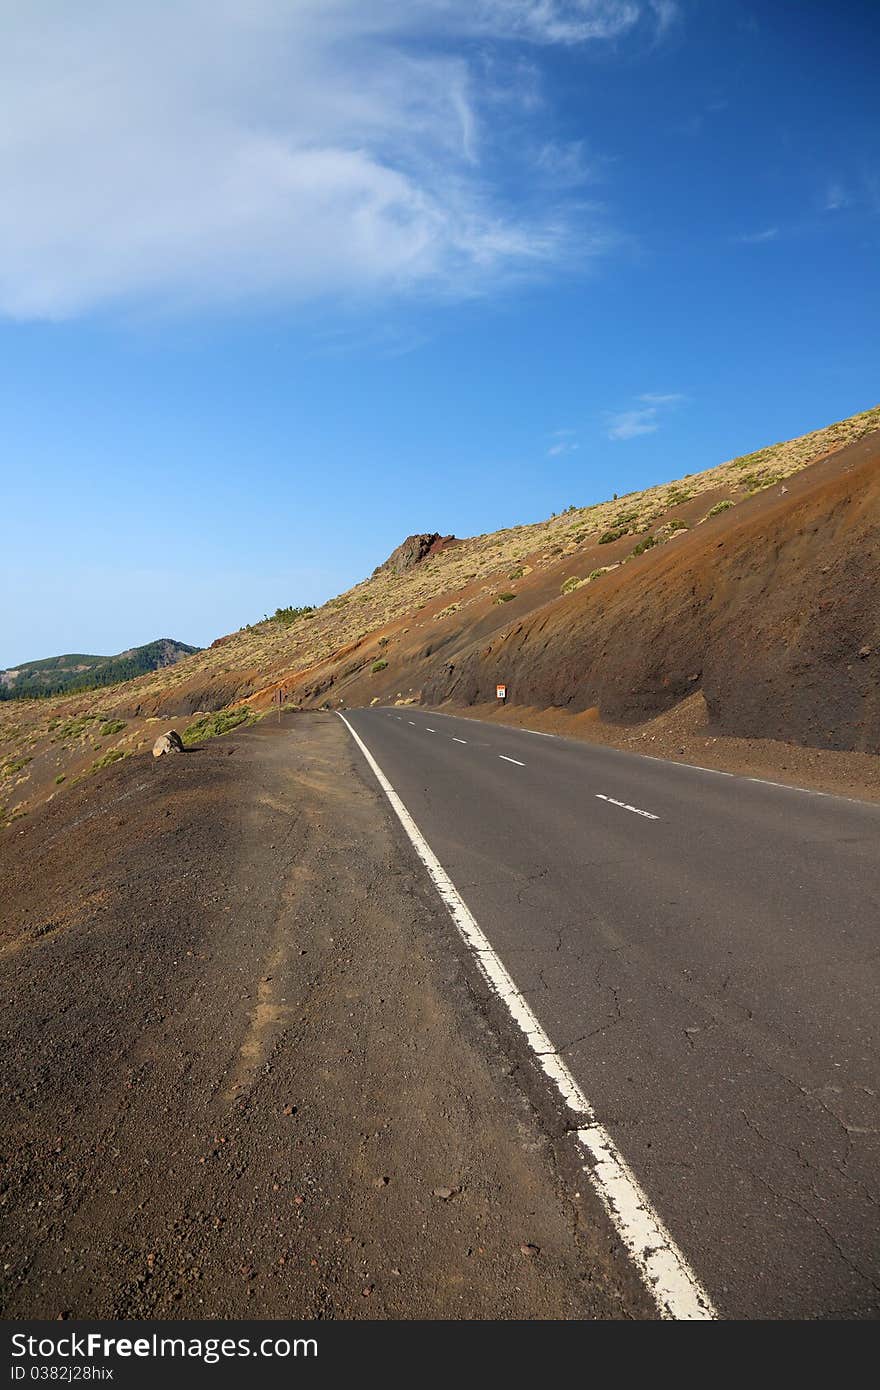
<point>710,977</point>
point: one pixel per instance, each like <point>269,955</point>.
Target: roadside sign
<point>501,692</point>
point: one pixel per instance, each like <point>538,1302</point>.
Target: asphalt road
<point>702,949</point>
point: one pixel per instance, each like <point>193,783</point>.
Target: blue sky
<point>282,281</point>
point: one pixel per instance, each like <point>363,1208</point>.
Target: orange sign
<point>501,692</point>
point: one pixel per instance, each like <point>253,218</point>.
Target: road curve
<point>702,951</point>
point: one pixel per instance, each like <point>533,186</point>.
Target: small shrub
<point>504,598</point>
<point>71,728</point>
<point>60,778</point>
<point>112,757</point>
<point>752,460</point>
<point>608,536</point>
<point>289,615</point>
<point>571,583</point>
<point>215,725</point>
<point>378,666</point>
<point>113,726</point>
<point>755,482</point>
<point>719,507</point>
<point>677,525</point>
<point>516,574</point>
<point>644,545</point>
<point>11,768</point>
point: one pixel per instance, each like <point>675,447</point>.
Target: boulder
<point>169,742</point>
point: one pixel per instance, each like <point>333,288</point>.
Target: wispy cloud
<point>232,150</point>
<point>627,424</point>
<point>655,398</point>
<point>646,418</point>
<point>756,238</point>
<point>836,197</point>
<point>563,442</point>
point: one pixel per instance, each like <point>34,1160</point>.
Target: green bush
<point>755,482</point>
<point>644,545</point>
<point>758,457</point>
<point>719,507</point>
<point>504,598</point>
<point>378,666</point>
<point>71,728</point>
<point>571,583</point>
<point>215,725</point>
<point>113,726</point>
<point>112,757</point>
<point>286,616</point>
<point>11,768</point>
<point>608,536</point>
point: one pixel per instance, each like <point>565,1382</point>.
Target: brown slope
<point>440,610</point>
<point>774,611</point>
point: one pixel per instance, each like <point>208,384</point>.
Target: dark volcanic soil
<point>772,611</point>
<point>245,1072</point>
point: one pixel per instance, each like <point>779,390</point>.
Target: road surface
<point>702,950</point>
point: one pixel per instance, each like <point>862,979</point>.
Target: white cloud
<point>756,238</point>
<point>646,419</point>
<point>627,424</point>
<point>835,197</point>
<point>563,442</point>
<point>224,150</point>
<point>655,398</point>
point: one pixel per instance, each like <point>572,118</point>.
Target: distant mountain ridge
<point>64,675</point>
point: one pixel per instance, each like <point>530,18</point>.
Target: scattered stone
<point>444,1193</point>
<point>530,1251</point>
<point>169,742</point>
<point>865,651</point>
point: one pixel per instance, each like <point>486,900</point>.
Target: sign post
<point>501,693</point>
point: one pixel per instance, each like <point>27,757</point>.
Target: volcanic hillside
<point>755,585</point>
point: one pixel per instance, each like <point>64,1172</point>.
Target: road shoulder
<point>250,1074</point>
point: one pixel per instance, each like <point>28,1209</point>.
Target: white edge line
<point>459,740</point>
<point>505,759</point>
<point>669,762</point>
<point>669,1279</point>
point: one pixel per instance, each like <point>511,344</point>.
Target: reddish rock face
<point>413,550</point>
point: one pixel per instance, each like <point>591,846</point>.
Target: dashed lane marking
<point>504,758</point>
<point>625,806</point>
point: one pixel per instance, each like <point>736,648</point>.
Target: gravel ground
<point>247,1072</point>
